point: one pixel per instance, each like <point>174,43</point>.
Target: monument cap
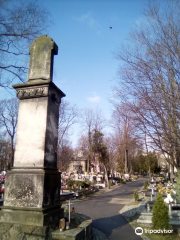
<point>42,52</point>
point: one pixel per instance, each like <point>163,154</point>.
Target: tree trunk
<point>12,152</point>
<point>88,161</point>
<point>90,151</point>
<point>126,161</point>
<point>108,185</point>
<point>147,156</point>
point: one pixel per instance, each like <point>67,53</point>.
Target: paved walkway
<point>126,211</point>
<point>106,208</point>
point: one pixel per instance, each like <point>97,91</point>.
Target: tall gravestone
<point>32,191</point>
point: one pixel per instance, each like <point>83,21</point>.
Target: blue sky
<point>85,68</point>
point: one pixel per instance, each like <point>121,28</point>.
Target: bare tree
<point>83,144</point>
<point>91,119</point>
<point>127,136</point>
<point>111,148</point>
<point>150,77</point>
<point>5,154</point>
<point>20,23</point>
<point>68,115</point>
<point>8,120</point>
<point>64,155</point>
<point>99,147</point>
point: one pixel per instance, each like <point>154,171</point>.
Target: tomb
<point>32,195</point>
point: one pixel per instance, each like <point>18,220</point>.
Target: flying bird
<point>110,27</point>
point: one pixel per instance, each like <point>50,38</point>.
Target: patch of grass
<point>134,203</point>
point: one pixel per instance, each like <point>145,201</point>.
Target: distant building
<point>78,164</point>
<point>165,166</point>
<point>162,162</point>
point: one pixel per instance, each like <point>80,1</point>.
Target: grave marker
<point>32,194</point>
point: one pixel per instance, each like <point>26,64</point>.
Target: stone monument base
<point>39,225</point>
<point>22,232</point>
<point>38,217</point>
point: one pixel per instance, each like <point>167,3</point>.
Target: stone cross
<point>42,53</point>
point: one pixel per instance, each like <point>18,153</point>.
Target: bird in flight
<point>110,27</point>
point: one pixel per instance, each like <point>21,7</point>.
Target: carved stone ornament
<point>32,92</point>
<point>36,91</point>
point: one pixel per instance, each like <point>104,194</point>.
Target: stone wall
<point>82,228</point>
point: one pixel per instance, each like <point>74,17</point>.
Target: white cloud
<point>94,98</point>
<point>89,21</point>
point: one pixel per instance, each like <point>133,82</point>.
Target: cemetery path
<point>104,210</point>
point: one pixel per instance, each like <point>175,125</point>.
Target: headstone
<point>126,176</point>
<point>148,208</point>
<point>32,194</point>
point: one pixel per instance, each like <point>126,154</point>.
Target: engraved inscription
<point>32,92</point>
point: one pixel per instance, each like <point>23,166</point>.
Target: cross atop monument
<point>42,52</point>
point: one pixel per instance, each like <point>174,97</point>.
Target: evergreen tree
<point>160,218</point>
<point>100,148</point>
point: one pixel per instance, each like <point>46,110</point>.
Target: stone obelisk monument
<point>32,190</point>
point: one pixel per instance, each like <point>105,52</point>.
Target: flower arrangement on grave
<point>169,189</point>
<point>160,185</point>
<point>161,190</point>
<point>159,179</point>
<point>152,186</point>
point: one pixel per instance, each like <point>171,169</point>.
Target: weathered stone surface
<point>31,217</point>
<point>23,232</point>
<point>71,234</point>
<point>76,218</point>
<point>36,140</point>
<point>87,226</point>
<point>34,188</point>
<point>81,232</point>
<point>32,198</point>
<point>14,231</point>
<point>145,218</point>
<point>42,52</point>
<point>24,190</point>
